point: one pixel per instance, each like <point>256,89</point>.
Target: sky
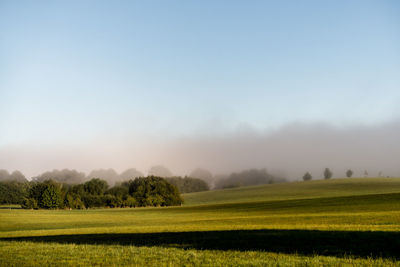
<point>90,84</point>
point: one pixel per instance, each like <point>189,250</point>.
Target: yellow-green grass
<point>335,222</point>
<point>53,254</point>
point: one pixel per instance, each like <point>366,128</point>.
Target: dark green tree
<point>47,194</point>
<point>95,186</point>
<point>12,192</point>
<point>51,197</point>
<point>154,191</point>
<point>118,191</point>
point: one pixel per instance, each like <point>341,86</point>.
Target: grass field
<point>336,222</point>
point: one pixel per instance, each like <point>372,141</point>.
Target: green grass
<point>297,190</point>
<point>336,222</point>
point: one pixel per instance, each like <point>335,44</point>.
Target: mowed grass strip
<point>53,254</point>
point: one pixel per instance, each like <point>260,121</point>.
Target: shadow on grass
<point>304,242</point>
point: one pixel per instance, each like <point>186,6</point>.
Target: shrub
<point>130,202</point>
<point>29,203</point>
<point>73,201</point>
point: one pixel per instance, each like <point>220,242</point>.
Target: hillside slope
<point>297,190</point>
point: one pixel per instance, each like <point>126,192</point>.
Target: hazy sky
<point>129,79</point>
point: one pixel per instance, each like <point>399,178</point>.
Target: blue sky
<point>76,70</point>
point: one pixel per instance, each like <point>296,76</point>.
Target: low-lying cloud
<point>290,151</point>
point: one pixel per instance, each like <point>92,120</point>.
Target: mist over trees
<point>76,177</point>
<point>204,175</point>
<point>130,174</point>
<point>16,176</point>
<point>188,184</point>
<point>248,177</point>
<point>63,176</point>
<point>109,175</point>
<point>160,171</point>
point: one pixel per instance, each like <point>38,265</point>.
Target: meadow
<point>333,222</point>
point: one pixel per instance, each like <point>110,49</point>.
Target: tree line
<point>95,193</point>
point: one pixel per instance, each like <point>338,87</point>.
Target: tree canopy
<point>154,191</point>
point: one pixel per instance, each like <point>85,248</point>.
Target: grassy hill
<point>328,222</point>
<point>297,190</point>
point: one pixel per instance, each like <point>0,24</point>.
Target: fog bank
<point>289,151</point>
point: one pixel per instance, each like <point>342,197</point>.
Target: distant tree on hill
<point>327,173</point>
<point>349,173</point>
<point>365,173</point>
<point>307,176</point>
